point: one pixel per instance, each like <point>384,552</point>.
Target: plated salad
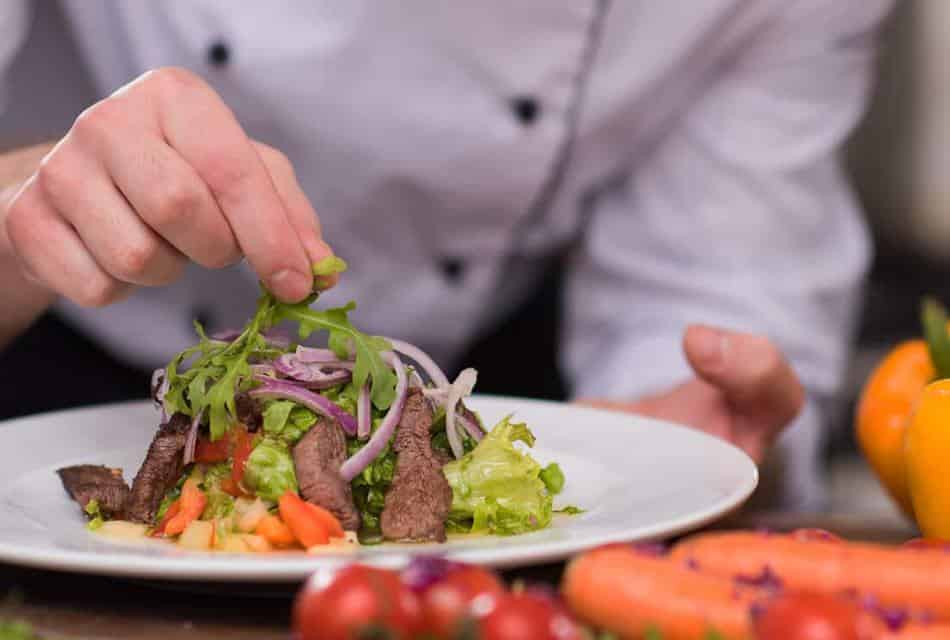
<point>265,443</point>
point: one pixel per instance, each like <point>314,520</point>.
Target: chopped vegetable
<point>270,470</point>
<point>273,529</point>
<point>333,526</point>
<point>496,488</point>
<point>198,535</point>
<point>309,529</point>
<point>553,478</point>
<point>191,505</point>
<point>219,502</point>
<point>95,515</point>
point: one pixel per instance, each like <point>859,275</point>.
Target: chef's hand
<point>744,390</point>
<point>157,174</point>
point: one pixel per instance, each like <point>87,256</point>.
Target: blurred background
<point>899,158</point>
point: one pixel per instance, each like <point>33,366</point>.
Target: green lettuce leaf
<point>220,504</point>
<point>287,420</point>
<point>496,488</point>
<point>270,469</point>
<point>344,339</point>
<point>553,478</point>
<point>370,486</point>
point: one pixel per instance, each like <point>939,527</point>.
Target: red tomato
<point>806,616</point>
<point>354,603</point>
<point>243,445</point>
<point>527,616</point>
<point>447,603</point>
<point>212,452</point>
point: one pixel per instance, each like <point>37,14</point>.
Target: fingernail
<point>319,250</point>
<point>289,284</point>
<point>709,346</point>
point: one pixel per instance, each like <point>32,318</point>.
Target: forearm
<point>22,301</point>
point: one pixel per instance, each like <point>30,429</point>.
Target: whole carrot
<point>629,592</point>
<point>914,578</point>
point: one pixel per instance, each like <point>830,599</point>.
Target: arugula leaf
<point>322,270</point>
<point>344,338</point>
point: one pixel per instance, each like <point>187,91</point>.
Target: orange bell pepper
<point>890,396</point>
<point>926,456</point>
<point>192,502</point>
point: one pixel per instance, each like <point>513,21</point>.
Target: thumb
<point>749,370</point>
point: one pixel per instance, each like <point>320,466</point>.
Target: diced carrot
<point>193,501</point>
<point>272,529</point>
<point>334,528</point>
<point>170,513</point>
<point>309,529</point>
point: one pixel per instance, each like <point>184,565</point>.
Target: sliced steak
<point>161,469</point>
<point>87,482</point>
<point>419,499</point>
<point>249,412</point>
<point>318,457</point>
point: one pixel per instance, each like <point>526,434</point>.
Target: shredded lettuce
<point>496,488</point>
<point>287,420</point>
<point>270,469</point>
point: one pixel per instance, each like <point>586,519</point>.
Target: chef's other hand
<point>744,390</point>
<point>158,173</point>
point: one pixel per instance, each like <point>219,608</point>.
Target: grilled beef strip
<point>160,471</point>
<point>318,457</point>
<point>419,499</point>
<point>87,482</point>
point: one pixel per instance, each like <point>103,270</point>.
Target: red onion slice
<point>287,390</point>
<point>364,413</point>
<point>312,375</point>
<point>191,441</point>
<point>310,354</point>
<point>427,364</point>
<point>470,424</point>
<point>362,458</point>
<point>462,387</point>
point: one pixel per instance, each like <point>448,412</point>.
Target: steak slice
<point>318,457</point>
<point>419,498</point>
<point>87,482</point>
<point>160,471</point>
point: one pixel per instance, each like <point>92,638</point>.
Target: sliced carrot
<point>193,502</point>
<point>273,529</point>
<point>629,592</point>
<point>170,513</point>
<point>906,578</point>
<point>309,529</point>
<point>334,528</point>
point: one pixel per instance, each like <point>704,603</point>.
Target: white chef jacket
<point>683,152</point>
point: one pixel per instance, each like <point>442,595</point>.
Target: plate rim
<point>220,568</point>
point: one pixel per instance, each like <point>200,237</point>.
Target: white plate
<point>637,479</point>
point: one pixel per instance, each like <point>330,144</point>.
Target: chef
<point>682,154</point>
